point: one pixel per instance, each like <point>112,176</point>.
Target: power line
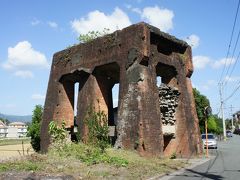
<point>235,63</point>
<point>234,91</point>
<point>231,59</point>
<point>229,46</point>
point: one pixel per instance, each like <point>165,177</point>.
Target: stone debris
<point>168,99</point>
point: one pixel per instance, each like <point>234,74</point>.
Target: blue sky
<point>32,31</point>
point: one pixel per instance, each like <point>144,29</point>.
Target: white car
<point>211,141</point>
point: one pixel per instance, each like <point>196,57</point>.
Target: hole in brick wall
<point>165,45</point>
<point>144,62</point>
<point>166,82</point>
<point>73,84</point>
<point>167,139</point>
<point>108,81</point>
<point>76,91</point>
<point>143,146</point>
<point>115,97</point>
<point>159,81</point>
<point>108,78</point>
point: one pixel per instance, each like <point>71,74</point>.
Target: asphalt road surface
<point>224,164</point>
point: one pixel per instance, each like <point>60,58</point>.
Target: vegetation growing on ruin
<point>90,35</point>
<point>83,38</point>
<point>97,124</point>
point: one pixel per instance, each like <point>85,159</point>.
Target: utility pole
<point>222,112</point>
<point>232,116</point>
<point>207,113</point>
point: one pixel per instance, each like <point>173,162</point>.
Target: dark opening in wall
<point>167,44</point>
<point>108,78</point>
<point>73,83</point>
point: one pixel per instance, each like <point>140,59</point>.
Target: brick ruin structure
<point>155,121</point>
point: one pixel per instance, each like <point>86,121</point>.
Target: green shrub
<point>58,134</point>
<point>34,128</point>
<point>98,130</point>
<point>88,154</point>
<point>83,38</point>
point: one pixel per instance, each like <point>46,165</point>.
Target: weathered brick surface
<point>132,57</point>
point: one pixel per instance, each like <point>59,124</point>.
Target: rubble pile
<point>168,99</point>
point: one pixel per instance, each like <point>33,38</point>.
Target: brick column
<point>139,125</point>
<point>92,93</point>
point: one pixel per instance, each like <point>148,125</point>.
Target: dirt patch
<point>14,151</point>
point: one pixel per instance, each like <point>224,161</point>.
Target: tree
<point>228,123</point>
<point>201,102</point>
<point>212,125</point>
<point>5,121</point>
<point>34,128</point>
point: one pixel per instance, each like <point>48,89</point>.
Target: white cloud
<point>193,40</point>
<point>200,62</point>
<point>52,24</point>
<point>97,21</point>
<point>24,74</point>
<point>23,55</point>
<point>35,22</point>
<point>232,79</point>
<point>38,97</point>
<point>222,62</point>
<point>161,18</point>
<point>136,10</point>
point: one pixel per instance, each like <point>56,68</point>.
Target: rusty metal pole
<point>206,133</point>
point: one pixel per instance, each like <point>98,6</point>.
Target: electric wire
<point>234,91</point>
<point>231,60</point>
<point>234,65</point>
<point>229,46</point>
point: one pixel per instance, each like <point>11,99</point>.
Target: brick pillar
<point>65,105</point>
<point>93,93</point>
<point>139,125</point>
<point>58,107</point>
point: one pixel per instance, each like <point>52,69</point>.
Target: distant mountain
<point>13,118</point>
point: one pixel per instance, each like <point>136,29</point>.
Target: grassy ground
<point>4,142</point>
<point>81,161</point>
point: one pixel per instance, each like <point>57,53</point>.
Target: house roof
<point>2,124</point>
<point>17,124</point>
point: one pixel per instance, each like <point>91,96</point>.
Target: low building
<point>17,129</point>
<point>3,130</point>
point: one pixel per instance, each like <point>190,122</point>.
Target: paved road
<point>224,165</point>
